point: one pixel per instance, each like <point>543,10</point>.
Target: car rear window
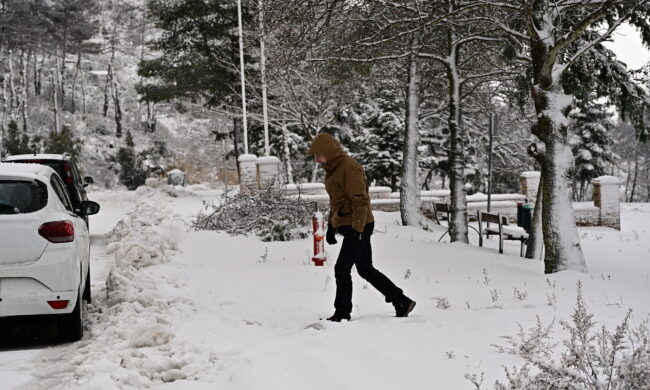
<point>21,197</point>
<point>57,165</point>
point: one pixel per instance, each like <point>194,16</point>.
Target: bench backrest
<point>441,207</point>
<point>492,218</point>
<point>440,211</point>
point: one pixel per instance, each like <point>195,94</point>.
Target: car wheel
<point>71,326</point>
<point>87,295</point>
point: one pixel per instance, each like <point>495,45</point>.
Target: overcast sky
<point>628,48</point>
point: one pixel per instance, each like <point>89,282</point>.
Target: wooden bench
<point>442,212</point>
<point>502,229</point>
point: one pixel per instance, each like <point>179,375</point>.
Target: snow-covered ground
<point>181,309</point>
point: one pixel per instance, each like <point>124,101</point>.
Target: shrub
<point>15,143</point>
<point>268,214</point>
<point>132,175</point>
<point>593,359</point>
<point>59,142</point>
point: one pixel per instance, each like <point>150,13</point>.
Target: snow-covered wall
<point>604,211</point>
<point>268,172</point>
<point>586,213</point>
<point>528,183</point>
<point>606,198</point>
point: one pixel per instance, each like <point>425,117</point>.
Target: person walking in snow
<point>350,216</point>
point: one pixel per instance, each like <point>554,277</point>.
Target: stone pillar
<point>247,173</point>
<point>268,171</point>
<point>606,197</point>
<point>528,184</point>
<point>176,177</point>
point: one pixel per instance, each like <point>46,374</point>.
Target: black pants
<point>359,253</point>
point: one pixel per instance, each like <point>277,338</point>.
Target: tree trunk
<point>5,99</point>
<point>314,172</point>
<point>535,242</point>
<point>627,179</point>
<point>56,100</point>
<point>409,204</point>
<point>636,174</point>
<point>425,184</point>
<point>35,72</point>
<point>23,90</point>
<point>107,88</point>
<point>563,251</point>
<point>561,241</point>
<point>151,117</point>
<point>74,81</point>
<point>13,96</point>
<point>143,35</point>
<point>38,73</point>
<point>458,200</point>
<point>287,155</point>
<point>118,108</point>
<point>62,79</point>
<point>647,172</point>
<point>58,77</point>
<point>4,116</point>
<point>235,131</point>
<point>581,196</point>
<point>83,90</point>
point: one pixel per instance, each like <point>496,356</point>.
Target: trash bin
<point>519,212</point>
<point>527,216</point>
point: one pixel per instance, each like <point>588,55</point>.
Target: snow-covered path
<point>21,361</point>
<point>203,310</point>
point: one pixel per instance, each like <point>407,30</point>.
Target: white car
<point>44,248</point>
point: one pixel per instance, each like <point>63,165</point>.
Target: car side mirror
<point>88,207</point>
<point>88,181</point>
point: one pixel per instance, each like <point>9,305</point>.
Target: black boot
<point>403,306</point>
<point>338,317</point>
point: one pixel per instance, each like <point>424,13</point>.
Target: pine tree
<point>198,46</point>
<point>59,142</point>
<point>132,175</point>
<point>15,143</point>
<point>379,140</point>
<point>591,145</point>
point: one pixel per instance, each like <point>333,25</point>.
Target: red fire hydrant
<point>319,235</point>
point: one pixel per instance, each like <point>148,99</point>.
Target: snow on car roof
<point>41,156</point>
<point>31,171</point>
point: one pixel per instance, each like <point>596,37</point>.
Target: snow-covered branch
<point>596,15</point>
<point>362,60</point>
<point>559,69</point>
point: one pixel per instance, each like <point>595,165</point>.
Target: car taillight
<point>57,231</point>
<point>68,174</point>
<point>58,304</point>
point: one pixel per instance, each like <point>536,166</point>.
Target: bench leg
<point>500,244</point>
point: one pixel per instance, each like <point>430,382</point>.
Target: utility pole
<point>243,77</point>
<point>492,131</point>
<point>267,151</point>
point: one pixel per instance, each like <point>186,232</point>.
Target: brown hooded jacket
<point>346,184</point>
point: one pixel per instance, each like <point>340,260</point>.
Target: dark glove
<point>330,236</point>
